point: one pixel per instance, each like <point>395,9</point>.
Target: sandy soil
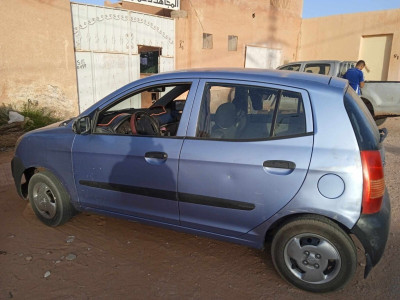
<point>102,258</point>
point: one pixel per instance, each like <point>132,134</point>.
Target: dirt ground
<point>96,257</point>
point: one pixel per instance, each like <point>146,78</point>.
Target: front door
<point>133,170</point>
<point>248,157</point>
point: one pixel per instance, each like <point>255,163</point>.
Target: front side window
<point>322,69</point>
<point>241,112</point>
<point>154,111</point>
<point>295,67</point>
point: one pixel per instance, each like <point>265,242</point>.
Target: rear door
<point>246,155</point>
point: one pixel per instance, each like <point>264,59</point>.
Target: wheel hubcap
<point>44,200</point>
<point>312,258</point>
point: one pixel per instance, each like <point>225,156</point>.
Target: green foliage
<point>38,116</point>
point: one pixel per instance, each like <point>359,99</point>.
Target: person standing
<point>355,76</point>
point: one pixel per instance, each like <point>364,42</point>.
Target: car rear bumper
<point>373,231</point>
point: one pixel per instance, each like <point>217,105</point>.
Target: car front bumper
<point>373,231</point>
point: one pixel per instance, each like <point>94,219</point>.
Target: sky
<point>321,8</point>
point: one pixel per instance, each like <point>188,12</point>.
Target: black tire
<point>314,254</point>
<point>49,199</point>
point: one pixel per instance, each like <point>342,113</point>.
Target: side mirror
<point>82,125</point>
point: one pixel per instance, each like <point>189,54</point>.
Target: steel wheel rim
<point>312,258</point>
<point>44,200</point>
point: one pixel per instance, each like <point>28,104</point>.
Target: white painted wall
<point>262,57</point>
<point>106,48</point>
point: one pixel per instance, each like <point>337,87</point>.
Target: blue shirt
<point>354,76</point>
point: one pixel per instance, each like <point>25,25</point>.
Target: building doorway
<point>107,42</point>
<point>149,60</point>
<point>375,50</point>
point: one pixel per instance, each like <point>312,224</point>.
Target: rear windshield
<point>364,126</point>
<point>344,66</point>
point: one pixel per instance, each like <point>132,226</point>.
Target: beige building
<point>38,63</point>
<point>371,36</point>
<point>219,33</point>
<point>222,33</point>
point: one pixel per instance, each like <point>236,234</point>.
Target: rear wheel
<point>49,199</point>
<point>314,254</point>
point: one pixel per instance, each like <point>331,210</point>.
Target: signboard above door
<point>168,4</point>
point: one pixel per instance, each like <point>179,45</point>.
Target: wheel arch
<point>27,175</point>
<point>275,226</point>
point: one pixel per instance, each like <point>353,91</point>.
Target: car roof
<point>306,81</point>
<point>258,75</point>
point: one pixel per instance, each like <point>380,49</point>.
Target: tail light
<point>374,182</point>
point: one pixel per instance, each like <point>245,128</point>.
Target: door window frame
<point>182,129</point>
<point>194,116</point>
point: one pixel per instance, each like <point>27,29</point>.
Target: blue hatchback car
<point>255,157</point>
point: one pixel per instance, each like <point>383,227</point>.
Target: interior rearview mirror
<point>179,104</point>
<point>157,89</point>
<point>82,125</point>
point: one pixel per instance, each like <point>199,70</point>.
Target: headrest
<point>225,115</point>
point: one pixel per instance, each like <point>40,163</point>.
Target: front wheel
<point>314,254</point>
<point>49,199</point>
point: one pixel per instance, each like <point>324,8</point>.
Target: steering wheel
<point>144,124</point>
<point>119,124</point>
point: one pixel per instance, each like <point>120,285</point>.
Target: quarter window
<point>241,112</point>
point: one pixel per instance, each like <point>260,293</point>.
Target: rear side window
<point>364,126</point>
<point>290,118</point>
<point>243,112</point>
<point>318,68</point>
